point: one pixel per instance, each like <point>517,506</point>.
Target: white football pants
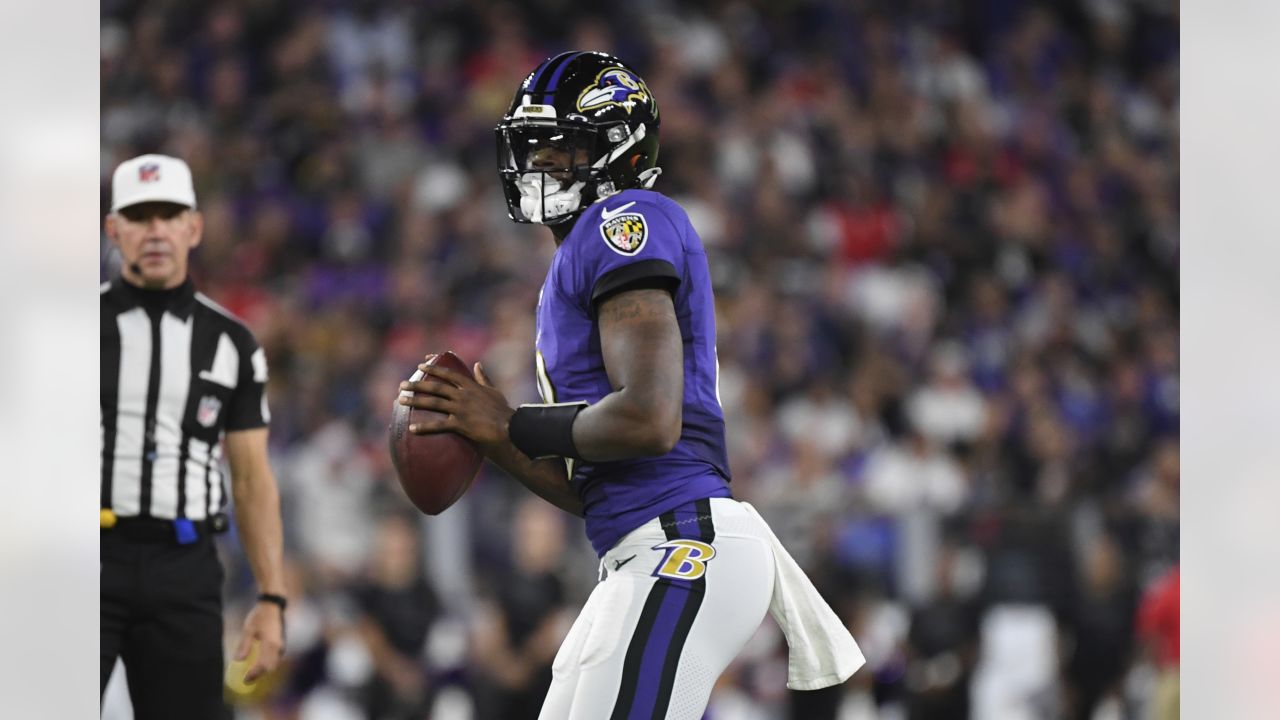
<point>681,596</point>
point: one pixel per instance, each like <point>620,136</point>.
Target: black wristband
<point>277,600</point>
<point>543,431</point>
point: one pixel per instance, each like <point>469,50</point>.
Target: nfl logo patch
<point>207,411</point>
<point>149,173</point>
<point>625,234</point>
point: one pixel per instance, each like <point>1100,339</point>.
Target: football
<point>434,470</point>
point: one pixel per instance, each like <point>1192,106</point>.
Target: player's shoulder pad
<point>625,222</point>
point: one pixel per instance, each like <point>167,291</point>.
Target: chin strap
<point>541,206</point>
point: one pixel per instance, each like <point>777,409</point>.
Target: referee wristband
<point>278,600</point>
<point>543,431</point>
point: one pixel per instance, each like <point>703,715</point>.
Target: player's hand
<point>475,408</point>
<point>263,625</point>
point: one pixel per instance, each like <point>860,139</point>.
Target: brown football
<point>434,470</point>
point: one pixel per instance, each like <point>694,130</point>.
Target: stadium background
<point>945,242</point>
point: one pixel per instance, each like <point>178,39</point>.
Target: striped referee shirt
<point>178,370</point>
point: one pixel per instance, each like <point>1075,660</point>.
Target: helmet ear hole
<point>635,159</point>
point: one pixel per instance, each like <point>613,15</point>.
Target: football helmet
<point>582,126</point>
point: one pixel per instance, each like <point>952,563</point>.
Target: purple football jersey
<point>634,234</point>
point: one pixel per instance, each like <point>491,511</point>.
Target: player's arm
<point>644,359</point>
<point>257,507</point>
<point>548,478</point>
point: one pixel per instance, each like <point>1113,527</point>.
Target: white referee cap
<point>152,178</point>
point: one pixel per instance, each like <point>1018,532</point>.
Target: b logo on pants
<point>685,559</point>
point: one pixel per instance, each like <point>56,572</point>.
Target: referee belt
<point>159,530</point>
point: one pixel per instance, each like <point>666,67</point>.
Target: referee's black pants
<point>162,615</point>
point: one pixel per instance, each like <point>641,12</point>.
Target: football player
<point>630,435</point>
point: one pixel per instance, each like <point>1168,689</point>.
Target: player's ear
<point>197,228</point>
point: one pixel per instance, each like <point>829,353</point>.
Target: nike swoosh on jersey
<point>606,213</point>
<point>619,563</point>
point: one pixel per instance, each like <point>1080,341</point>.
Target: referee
<point>181,379</point>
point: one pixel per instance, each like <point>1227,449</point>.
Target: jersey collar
<point>179,301</point>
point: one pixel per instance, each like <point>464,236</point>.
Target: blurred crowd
<point>944,238</point>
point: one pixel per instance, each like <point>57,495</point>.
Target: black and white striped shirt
<point>178,370</point>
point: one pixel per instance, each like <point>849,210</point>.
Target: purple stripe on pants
<point>655,650</point>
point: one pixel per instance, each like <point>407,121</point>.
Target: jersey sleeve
<point>624,244</point>
<point>247,408</point>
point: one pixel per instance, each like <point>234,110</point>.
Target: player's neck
<point>561,231</point>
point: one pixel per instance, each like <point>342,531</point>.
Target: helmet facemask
<point>553,169</point>
<point>545,168</point>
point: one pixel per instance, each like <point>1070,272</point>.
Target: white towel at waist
<point>821,652</point>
